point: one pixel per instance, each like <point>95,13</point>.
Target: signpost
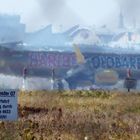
<point>8,105</point>
<point>130,82</point>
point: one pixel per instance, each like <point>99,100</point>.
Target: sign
<point>106,77</point>
<point>8,105</point>
<point>130,83</point>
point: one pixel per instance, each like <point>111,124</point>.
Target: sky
<point>37,14</point>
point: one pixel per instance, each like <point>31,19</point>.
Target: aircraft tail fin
<point>79,56</point>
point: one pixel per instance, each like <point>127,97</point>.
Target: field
<point>75,115</point>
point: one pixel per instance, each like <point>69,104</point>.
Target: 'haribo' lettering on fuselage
<point>105,61</point>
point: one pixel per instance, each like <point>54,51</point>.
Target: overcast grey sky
<point>38,13</point>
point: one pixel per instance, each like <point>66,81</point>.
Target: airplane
<point>82,67</point>
<point>86,71</point>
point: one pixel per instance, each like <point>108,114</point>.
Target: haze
<point>38,13</point>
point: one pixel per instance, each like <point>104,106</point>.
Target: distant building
<point>46,37</point>
<point>105,34</point>
<point>11,30</point>
<point>85,36</point>
<point>121,21</point>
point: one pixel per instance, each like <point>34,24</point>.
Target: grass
<point>75,115</point>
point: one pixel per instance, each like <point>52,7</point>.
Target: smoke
<point>52,9</point>
<point>30,84</point>
<point>15,82</point>
<point>131,10</point>
<point>57,12</point>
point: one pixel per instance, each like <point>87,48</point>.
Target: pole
<point>129,76</point>
<point>24,78</point>
<point>53,78</point>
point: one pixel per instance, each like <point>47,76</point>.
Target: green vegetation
<point>75,115</point>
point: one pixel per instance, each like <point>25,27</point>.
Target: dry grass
<point>75,115</point>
